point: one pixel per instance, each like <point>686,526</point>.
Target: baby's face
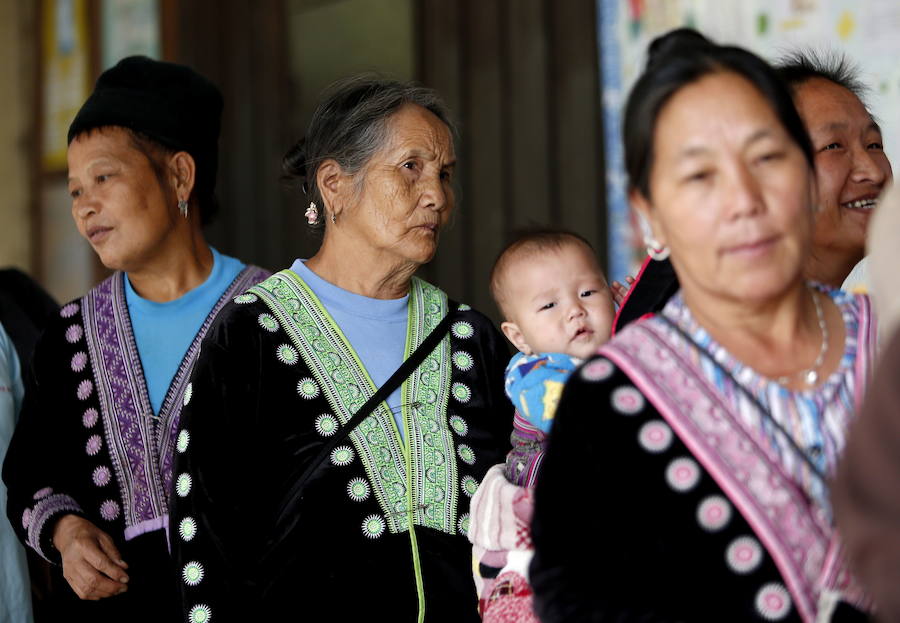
<point>558,301</point>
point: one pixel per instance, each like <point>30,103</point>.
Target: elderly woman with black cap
<point>89,468</point>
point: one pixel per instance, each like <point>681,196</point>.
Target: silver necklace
<point>811,375</point>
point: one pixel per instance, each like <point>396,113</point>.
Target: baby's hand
<point>619,291</point>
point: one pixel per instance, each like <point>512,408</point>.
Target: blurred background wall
<point>536,85</point>
<point>520,76</point>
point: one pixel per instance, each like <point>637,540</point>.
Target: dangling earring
<point>183,207</point>
<point>655,250</point>
<point>312,213</point>
<point>333,218</point>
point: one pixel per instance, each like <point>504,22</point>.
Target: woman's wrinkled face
<point>851,165</point>
<point>406,195</point>
<point>730,191</point>
<point>118,203</point>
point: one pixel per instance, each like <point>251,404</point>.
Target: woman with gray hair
<point>343,412</point>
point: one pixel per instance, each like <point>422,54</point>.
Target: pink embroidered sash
<point>796,532</point>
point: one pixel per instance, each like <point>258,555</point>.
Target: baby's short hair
<point>528,243</point>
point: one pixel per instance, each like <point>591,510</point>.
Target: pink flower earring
<point>312,213</point>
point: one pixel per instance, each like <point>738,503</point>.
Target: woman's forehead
<point>824,105</point>
<point>415,128</point>
<point>718,109</point>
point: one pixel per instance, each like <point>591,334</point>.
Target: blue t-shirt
<point>164,331</point>
<point>375,328</point>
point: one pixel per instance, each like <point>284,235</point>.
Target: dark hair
<point>350,126</point>
<point>802,65</point>
<point>530,242</point>
<point>682,57</point>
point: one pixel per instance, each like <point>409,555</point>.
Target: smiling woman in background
<point>851,166</point>
<point>286,502</point>
<point>851,170</point>
<point>89,469</point>
<point>709,431</point>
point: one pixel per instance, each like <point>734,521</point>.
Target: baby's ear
<point>514,334</point>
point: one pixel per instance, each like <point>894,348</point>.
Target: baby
<point>557,310</point>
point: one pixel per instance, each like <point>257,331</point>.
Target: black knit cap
<point>172,104</point>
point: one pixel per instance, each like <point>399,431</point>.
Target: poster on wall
<point>129,27</point>
<point>863,30</point>
<point>66,74</point>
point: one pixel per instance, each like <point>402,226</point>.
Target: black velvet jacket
<point>379,532</point>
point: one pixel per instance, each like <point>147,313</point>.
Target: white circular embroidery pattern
<point>90,418</point>
<point>714,513</point>
<point>69,310</point>
<point>109,510</point>
<point>187,528</point>
<point>188,394</point>
<point>192,573</point>
<point>773,602</point>
<point>627,400</point>
<point>463,524</point>
<point>462,329</point>
<point>466,453</point>
<point>74,333</point>
<point>93,445</point>
<point>307,388</point>
<point>461,392</point>
<point>598,370</point>
<point>268,322</point>
<point>463,360</point>
<point>85,389</point>
<point>469,485</point>
<point>200,613</point>
<point>184,438</point>
<point>183,485</point>
<point>244,299</point>
<point>373,526</point>
<point>287,354</point>
<point>682,474</point>
<point>326,425</point>
<point>655,436</point>
<point>358,490</point>
<point>744,555</point>
<point>79,361</point>
<point>342,455</point>
<point>101,476</point>
<point>458,425</point>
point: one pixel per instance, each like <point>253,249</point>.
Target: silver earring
<point>183,207</point>
<point>312,213</point>
<point>655,250</point>
<point>333,218</point>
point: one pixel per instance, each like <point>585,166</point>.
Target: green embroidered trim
<point>346,385</point>
<point>434,479</point>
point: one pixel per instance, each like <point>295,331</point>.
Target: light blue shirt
<point>375,328</point>
<point>164,331</point>
<point>15,586</point>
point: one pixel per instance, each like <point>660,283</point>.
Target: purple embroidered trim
<point>44,510</point>
<point>797,538</point>
<point>146,526</point>
<point>139,444</point>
